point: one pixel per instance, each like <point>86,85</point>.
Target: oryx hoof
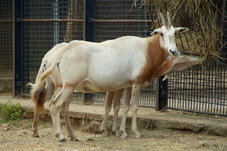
<point>105,134</point>
<point>73,138</point>
<point>35,135</point>
<point>124,135</point>
<point>117,134</point>
<point>56,134</point>
<point>62,140</point>
<point>138,134</point>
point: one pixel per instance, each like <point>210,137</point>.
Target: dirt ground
<point>18,138</point>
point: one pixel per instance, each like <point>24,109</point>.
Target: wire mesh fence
<point>6,39</point>
<point>199,90</point>
<point>45,24</point>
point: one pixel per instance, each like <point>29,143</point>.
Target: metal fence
<point>39,25</point>
<point>202,89</point>
<point>199,90</point>
<point>6,39</point>
<point>45,24</point>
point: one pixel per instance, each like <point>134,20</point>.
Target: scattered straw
<point>202,17</point>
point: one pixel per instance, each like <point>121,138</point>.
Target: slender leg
<point>56,121</point>
<point>57,90</point>
<point>54,109</point>
<point>109,98</point>
<point>49,88</point>
<point>117,100</point>
<point>65,110</point>
<point>126,106</point>
<point>135,103</point>
<point>35,123</point>
<point>64,95</point>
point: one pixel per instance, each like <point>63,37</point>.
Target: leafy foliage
<point>10,113</point>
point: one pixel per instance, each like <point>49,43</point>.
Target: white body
<point>103,67</point>
<point>99,71</point>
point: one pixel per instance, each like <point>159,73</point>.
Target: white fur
<point>94,64</point>
<point>167,41</point>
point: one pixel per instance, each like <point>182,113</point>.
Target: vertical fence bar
<point>17,49</point>
<point>224,30</point>
<point>89,36</point>
<point>162,94</point>
<point>89,20</point>
<point>14,62</point>
<point>56,24</point>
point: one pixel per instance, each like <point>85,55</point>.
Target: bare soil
<point>158,133</point>
<point>18,138</point>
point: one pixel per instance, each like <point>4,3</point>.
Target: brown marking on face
<point>155,57</point>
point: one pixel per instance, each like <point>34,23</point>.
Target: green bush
<point>10,112</point>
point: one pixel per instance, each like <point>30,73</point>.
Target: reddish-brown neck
<point>155,53</point>
<point>155,57</point>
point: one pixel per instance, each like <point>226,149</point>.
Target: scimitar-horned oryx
<point>108,66</point>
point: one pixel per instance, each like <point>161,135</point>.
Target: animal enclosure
<point>30,28</point>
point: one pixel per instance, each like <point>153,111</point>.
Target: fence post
<point>89,36</point>
<point>89,20</point>
<point>17,48</point>
<point>161,94</point>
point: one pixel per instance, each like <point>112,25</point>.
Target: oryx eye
<point>162,34</point>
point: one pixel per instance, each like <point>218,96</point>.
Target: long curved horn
<point>162,18</point>
<point>169,19</point>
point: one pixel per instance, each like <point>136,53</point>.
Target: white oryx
<point>124,63</point>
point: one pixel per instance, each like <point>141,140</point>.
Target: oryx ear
<point>181,29</point>
<point>156,31</point>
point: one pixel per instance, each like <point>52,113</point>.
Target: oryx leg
<point>49,88</point>
<point>135,104</point>
<point>108,103</point>
<point>57,91</point>
<point>55,114</point>
<point>126,106</point>
<point>117,101</point>
<point>70,132</point>
<point>58,102</point>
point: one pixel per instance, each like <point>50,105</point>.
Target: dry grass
<point>202,17</point>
